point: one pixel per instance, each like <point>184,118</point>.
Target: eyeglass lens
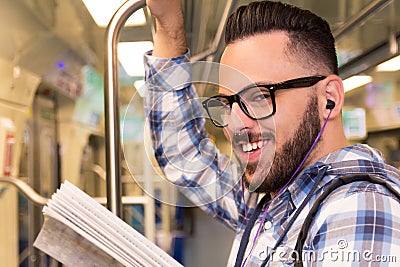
<point>255,102</point>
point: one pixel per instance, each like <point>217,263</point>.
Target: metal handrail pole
<point>231,4</point>
<point>24,188</point>
<point>359,17</point>
<point>111,103</point>
<point>39,200</point>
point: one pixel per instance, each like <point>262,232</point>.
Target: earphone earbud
<point>330,104</point>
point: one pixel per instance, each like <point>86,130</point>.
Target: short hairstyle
<point>310,37</point>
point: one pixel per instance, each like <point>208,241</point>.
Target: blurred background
<point>52,110</point>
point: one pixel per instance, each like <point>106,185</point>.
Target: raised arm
<point>182,147</point>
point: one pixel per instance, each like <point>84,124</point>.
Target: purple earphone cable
<point>282,188</point>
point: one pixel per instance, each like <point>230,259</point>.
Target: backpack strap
<point>338,182</point>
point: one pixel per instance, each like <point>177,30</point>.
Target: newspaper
<point>78,231</point>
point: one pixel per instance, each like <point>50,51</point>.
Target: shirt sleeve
<point>182,147</point>
<point>358,227</point>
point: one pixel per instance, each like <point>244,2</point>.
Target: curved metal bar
<point>25,189</point>
<point>230,5</point>
<point>41,201</point>
<point>360,17</point>
<point>111,94</point>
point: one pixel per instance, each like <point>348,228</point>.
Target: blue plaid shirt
<point>357,225</point>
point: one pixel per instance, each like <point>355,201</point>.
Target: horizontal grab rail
<point>36,198</point>
<point>26,189</point>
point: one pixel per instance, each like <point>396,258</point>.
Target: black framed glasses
<point>257,101</point>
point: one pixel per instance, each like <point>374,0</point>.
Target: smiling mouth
<point>249,147</point>
<point>249,142</point>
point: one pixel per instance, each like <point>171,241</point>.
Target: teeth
<point>260,144</point>
<point>244,148</point>
<point>252,146</point>
<point>249,147</point>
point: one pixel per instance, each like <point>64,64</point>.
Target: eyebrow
<point>218,91</point>
<point>259,84</point>
<point>247,86</point>
<point>264,82</point>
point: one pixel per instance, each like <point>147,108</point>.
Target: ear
<point>334,91</point>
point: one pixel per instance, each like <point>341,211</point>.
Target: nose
<point>238,120</point>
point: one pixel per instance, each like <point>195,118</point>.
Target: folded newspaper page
<point>78,231</point>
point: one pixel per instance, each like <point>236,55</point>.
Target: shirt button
<point>267,225</point>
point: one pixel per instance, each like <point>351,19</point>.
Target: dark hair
<point>311,40</point>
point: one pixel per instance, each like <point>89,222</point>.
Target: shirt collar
<point>342,161</point>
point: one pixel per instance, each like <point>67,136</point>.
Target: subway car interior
<point>52,111</point>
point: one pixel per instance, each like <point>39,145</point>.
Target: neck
<point>332,139</point>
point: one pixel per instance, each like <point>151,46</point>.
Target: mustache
<point>250,137</point>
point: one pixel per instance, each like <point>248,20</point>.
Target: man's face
<point>283,139</point>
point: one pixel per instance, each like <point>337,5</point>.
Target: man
<point>281,94</point>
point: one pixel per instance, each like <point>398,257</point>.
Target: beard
<point>288,158</point>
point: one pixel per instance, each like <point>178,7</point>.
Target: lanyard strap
<point>245,238</point>
<point>246,235</point>
<point>340,181</point>
<point>318,179</point>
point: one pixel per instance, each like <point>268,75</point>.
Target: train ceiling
<point>35,34</point>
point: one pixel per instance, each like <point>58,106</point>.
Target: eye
<point>217,102</point>
<point>258,94</point>
<point>221,101</point>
